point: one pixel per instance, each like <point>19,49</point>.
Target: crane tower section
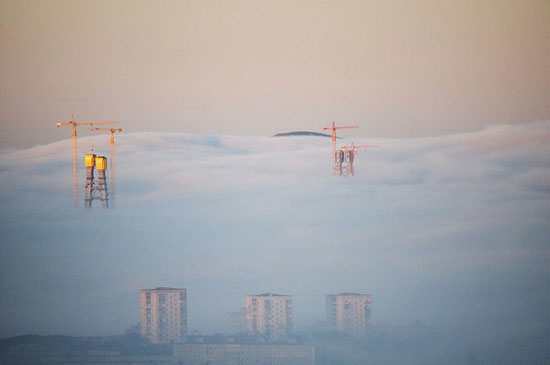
<point>96,189</point>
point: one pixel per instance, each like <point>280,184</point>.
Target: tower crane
<point>354,147</point>
<point>73,123</point>
<point>112,148</point>
<point>333,129</point>
<point>349,153</point>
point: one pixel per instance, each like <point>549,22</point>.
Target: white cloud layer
<point>451,230</point>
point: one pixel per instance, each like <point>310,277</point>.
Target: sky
<point>396,68</point>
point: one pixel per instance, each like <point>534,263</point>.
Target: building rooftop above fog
<point>165,288</point>
<point>349,294</point>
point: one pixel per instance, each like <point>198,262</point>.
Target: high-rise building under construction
<point>269,315</point>
<point>349,313</point>
<point>164,314</point>
<point>96,189</point>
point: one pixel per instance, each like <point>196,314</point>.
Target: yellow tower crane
<point>75,124</point>
<point>112,147</point>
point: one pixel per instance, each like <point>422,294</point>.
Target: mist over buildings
<point>445,223</point>
<point>451,231</point>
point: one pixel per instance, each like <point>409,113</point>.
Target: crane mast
<point>349,157</point>
<point>337,154</point>
<point>333,129</point>
<point>112,151</point>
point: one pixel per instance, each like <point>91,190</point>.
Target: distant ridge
<point>301,133</point>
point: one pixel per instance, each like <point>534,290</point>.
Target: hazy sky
<point>396,68</point>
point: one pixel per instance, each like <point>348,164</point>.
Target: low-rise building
<point>237,354</point>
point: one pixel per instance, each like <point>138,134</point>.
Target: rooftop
<point>270,295</point>
<point>349,294</point>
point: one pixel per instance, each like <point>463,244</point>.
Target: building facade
<point>233,354</point>
<point>164,314</point>
<point>269,315</point>
<point>349,313</point>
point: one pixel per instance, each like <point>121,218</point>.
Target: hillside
<point>301,133</point>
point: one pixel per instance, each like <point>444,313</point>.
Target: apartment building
<point>164,314</point>
<point>349,313</point>
<point>269,315</point>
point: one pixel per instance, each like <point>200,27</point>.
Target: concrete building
<point>349,313</point>
<point>236,321</point>
<point>233,354</point>
<point>164,314</point>
<point>269,315</point>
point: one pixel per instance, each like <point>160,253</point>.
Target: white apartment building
<point>164,314</point>
<point>349,313</point>
<point>269,315</point>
